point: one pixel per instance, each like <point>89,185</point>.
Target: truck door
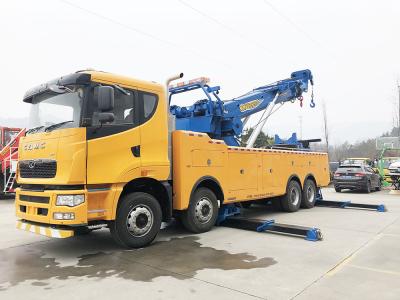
<point>153,134</point>
<point>113,149</point>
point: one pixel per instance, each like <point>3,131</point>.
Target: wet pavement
<point>358,259</point>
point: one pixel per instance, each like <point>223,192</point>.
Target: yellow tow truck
<point>103,150</point>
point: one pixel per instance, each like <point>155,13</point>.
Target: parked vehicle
<point>394,173</point>
<point>9,142</point>
<point>333,166</point>
<point>356,177</point>
<point>386,163</point>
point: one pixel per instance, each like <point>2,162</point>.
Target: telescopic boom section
<point>224,119</point>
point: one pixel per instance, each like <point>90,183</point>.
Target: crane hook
<point>312,103</point>
<point>301,100</point>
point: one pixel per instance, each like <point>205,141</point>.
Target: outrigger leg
<point>347,204</point>
<point>228,217</point>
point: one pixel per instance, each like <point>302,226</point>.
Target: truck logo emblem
<point>35,146</point>
<point>249,105</point>
<point>31,164</point>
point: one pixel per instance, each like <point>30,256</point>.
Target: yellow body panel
<point>243,174</point>
<point>66,146</point>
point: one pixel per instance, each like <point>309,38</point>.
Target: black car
<point>356,177</point>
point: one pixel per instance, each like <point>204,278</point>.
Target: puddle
<point>179,258</point>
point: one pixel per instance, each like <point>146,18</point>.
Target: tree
<point>262,140</point>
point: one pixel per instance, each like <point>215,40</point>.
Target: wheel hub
<point>294,196</point>
<point>203,211</point>
<point>310,194</point>
<point>139,220</point>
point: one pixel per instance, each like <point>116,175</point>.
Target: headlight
<point>70,200</point>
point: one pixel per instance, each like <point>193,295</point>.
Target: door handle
<point>136,150</point>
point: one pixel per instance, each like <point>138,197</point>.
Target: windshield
<point>50,108</point>
<point>352,161</point>
<point>349,169</point>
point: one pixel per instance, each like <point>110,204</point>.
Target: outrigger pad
<point>348,204</point>
<point>309,233</point>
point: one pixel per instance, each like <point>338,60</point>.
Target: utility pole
<point>398,116</point>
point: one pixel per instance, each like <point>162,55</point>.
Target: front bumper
<point>44,230</point>
<point>39,207</point>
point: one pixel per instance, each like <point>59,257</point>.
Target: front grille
<point>36,199</point>
<point>43,187</point>
<point>37,168</point>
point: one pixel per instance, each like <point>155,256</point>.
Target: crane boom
<point>224,119</point>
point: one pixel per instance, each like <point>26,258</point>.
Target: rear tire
<point>138,220</point>
<point>309,194</point>
<point>379,187</point>
<point>202,212</point>
<point>368,187</point>
<point>292,199</point>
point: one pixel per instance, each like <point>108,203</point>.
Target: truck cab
<point>93,137</point>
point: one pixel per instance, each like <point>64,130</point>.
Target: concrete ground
<point>359,258</point>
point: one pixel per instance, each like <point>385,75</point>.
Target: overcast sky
<point>352,48</point>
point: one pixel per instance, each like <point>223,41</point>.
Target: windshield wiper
<point>54,126</point>
<point>35,129</point>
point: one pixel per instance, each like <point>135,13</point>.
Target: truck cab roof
<point>87,76</point>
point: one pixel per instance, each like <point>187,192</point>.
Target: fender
<point>296,177</point>
<point>213,179</point>
<point>308,176</point>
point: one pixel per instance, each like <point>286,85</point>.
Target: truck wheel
<point>202,212</point>
<point>292,199</point>
<point>138,220</point>
<point>338,189</point>
<point>309,194</point>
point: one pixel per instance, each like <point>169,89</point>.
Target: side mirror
<point>105,98</point>
<point>106,117</point>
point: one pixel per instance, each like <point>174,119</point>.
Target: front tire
<point>338,190</point>
<point>309,194</point>
<point>292,199</point>
<point>202,212</point>
<point>138,220</point>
